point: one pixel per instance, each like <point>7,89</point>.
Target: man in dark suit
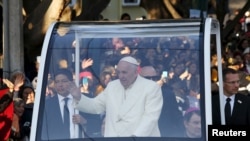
<point>171,119</point>
<point>58,123</point>
<point>239,113</point>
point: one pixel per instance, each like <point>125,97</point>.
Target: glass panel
<point>92,53</point>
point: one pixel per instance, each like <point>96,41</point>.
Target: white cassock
<point>134,111</point>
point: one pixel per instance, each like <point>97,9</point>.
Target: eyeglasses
<point>154,78</point>
<point>233,82</point>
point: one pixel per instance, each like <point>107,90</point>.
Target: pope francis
<point>132,104</point>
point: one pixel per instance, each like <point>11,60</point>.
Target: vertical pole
<point>13,37</point>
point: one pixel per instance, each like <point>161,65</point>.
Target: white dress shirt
<point>74,129</point>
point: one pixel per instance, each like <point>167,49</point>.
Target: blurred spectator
<point>50,90</point>
<point>247,33</point>
<point>242,45</point>
<point>105,78</point>
<point>17,132</point>
<point>94,121</point>
<point>192,123</point>
<point>112,70</point>
<point>6,102</point>
<point>125,16</point>
<point>246,59</point>
<point>193,84</point>
<point>6,113</point>
<point>87,83</point>
<point>27,93</point>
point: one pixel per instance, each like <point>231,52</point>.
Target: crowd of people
<point>235,55</point>
<point>17,108</point>
<point>175,62</point>
<point>135,87</point>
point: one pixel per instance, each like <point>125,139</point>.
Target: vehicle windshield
<point>169,53</point>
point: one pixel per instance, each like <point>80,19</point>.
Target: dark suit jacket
<point>52,122</point>
<point>241,110</point>
<point>171,119</point>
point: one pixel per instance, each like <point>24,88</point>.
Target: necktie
<point>66,117</point>
<point>227,110</point>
